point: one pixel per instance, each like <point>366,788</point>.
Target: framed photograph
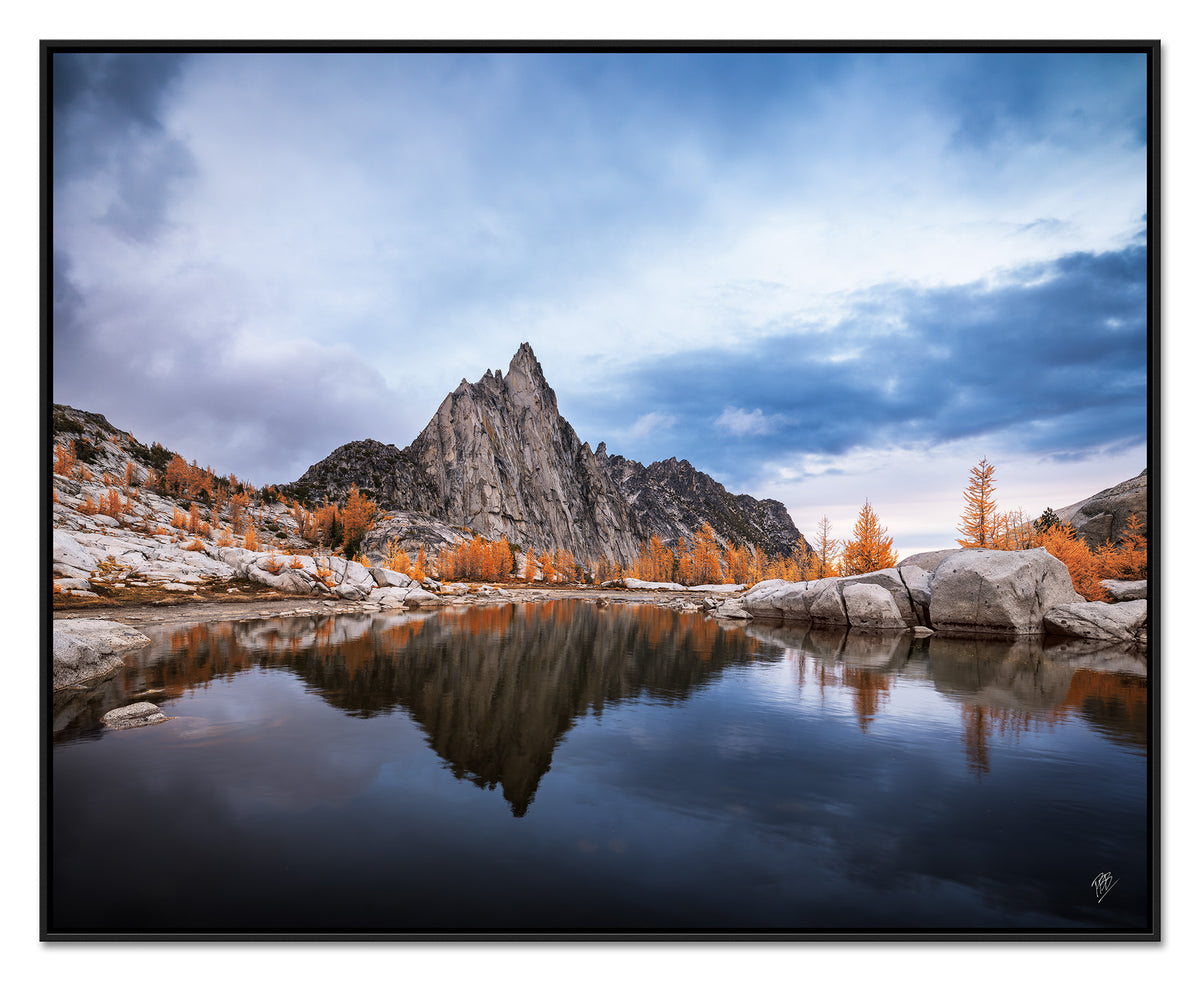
<point>641,491</point>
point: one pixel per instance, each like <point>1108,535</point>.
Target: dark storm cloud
<point>1052,360</point>
<point>108,121</point>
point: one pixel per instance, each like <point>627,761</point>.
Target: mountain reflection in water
<point>496,687</point>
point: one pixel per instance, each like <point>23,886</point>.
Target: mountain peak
<point>526,384</point>
<point>524,358</point>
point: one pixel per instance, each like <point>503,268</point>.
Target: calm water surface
<point>564,766</point>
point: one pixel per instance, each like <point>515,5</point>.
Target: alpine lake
<point>578,767</point>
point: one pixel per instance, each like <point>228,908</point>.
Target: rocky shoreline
<point>958,592</point>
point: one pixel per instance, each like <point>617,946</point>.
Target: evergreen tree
<point>1047,521</point>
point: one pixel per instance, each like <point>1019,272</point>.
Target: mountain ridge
<point>497,457</point>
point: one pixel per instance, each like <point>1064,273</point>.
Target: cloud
<point>651,423</point>
<point>1050,359</point>
<point>739,422</point>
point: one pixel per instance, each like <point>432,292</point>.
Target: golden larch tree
<point>706,556</point>
<point>870,549</point>
<point>396,558</point>
<point>978,521</point>
<point>357,519</point>
<point>684,575</point>
<point>737,564</point>
<point>65,460</point>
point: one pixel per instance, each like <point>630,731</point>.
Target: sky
<point>822,278</point>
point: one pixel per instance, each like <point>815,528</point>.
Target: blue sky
<point>820,278</point>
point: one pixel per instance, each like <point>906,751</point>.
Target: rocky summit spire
<point>526,384</point>
<point>505,462</point>
<point>524,358</point>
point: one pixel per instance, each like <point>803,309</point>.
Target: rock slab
<point>87,649</point>
<point>133,716</point>
<point>1122,590</point>
<point>1098,621</point>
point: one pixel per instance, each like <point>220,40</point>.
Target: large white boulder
<point>917,580</point>
<point>979,590</point>
<point>730,609</point>
<point>891,580</point>
<point>644,584</point>
<point>388,577</point>
<point>421,597</point>
<point>777,599</point>
<point>871,606</point>
<point>388,597</point>
<point>825,604</point>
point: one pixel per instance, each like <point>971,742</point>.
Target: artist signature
<point>1103,884</point>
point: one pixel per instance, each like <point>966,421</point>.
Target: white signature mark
<point>1103,884</point>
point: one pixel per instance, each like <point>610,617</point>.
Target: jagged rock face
<point>671,498</point>
<point>1104,516</point>
<point>504,462</point>
<point>497,458</point>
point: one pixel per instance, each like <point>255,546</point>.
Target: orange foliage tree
<point>706,556</point>
<point>477,560</point>
<point>684,572</point>
<point>396,558</point>
<point>737,564</point>
<point>237,511</point>
<point>565,565</point>
<point>357,519</point>
<point>978,520</point>
<point>1083,565</point>
<point>65,460</point>
<point>870,549</point>
<point>111,504</point>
